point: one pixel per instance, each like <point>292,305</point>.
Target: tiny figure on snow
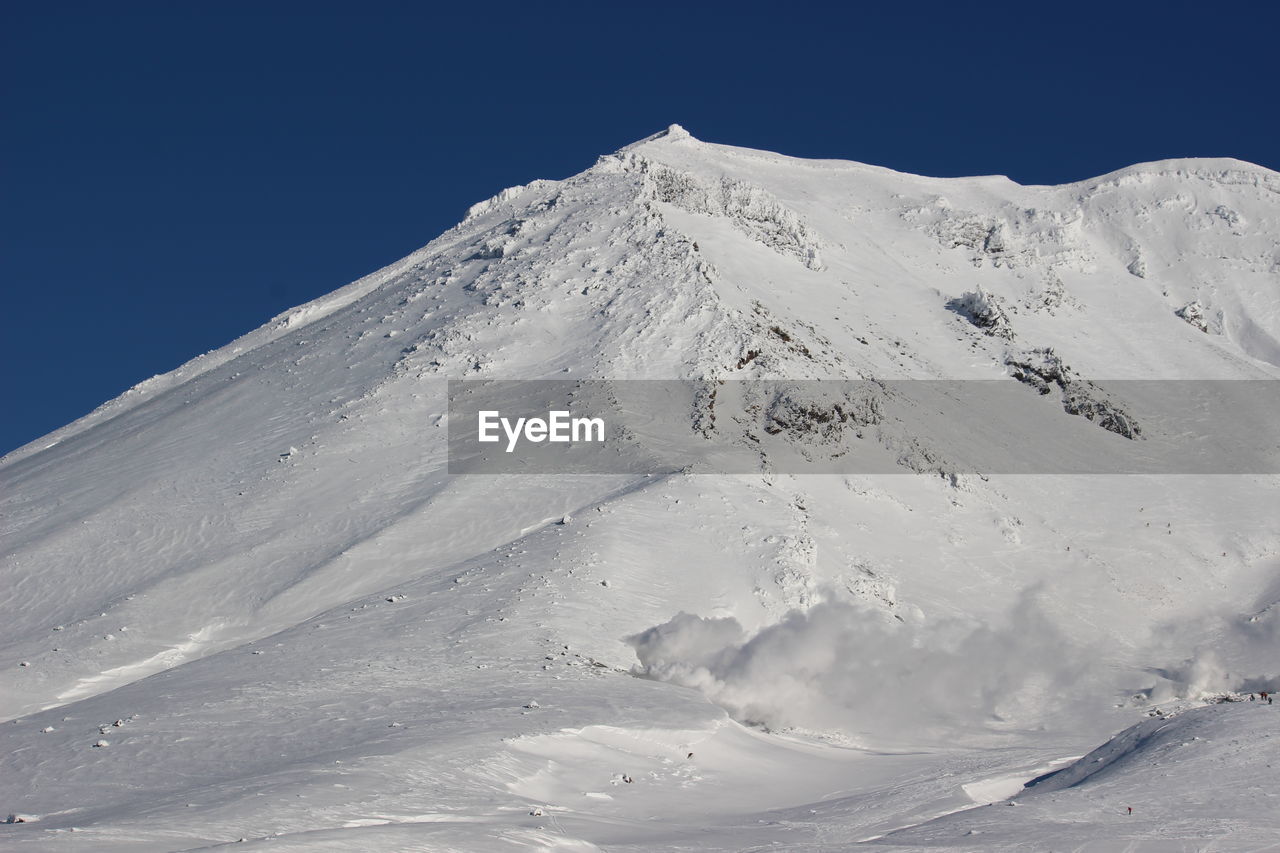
<point>1130,810</point>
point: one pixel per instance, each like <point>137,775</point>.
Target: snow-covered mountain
<point>247,599</point>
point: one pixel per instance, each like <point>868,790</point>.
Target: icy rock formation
<point>1044,370</point>
<point>1193,312</point>
<point>752,210</point>
<point>984,311</point>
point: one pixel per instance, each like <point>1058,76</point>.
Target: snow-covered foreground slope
<point>313,637</point>
<point>1196,781</point>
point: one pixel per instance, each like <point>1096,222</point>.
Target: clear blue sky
<point>176,173</point>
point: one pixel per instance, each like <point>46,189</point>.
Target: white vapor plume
<point>844,667</point>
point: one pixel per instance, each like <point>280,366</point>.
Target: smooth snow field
<point>248,604</point>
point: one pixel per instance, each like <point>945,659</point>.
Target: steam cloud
<point>841,666</point>
<point>1239,654</point>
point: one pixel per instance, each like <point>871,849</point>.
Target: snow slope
<point>313,637</point>
<point>1195,781</point>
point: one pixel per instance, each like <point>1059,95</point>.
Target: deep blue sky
<point>174,174</point>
